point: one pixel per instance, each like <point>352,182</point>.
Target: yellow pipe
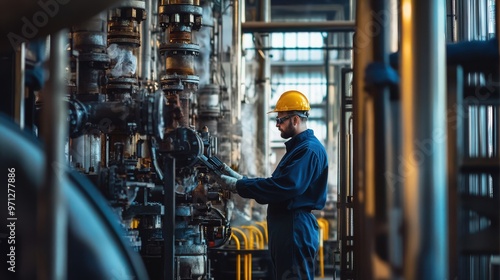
<point>238,257</point>
<point>326,228</point>
<point>253,230</point>
<point>323,235</point>
<point>245,240</point>
<point>251,242</point>
<point>264,226</point>
<point>321,254</point>
<point>258,234</point>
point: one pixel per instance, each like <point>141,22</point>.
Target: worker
<point>297,186</point>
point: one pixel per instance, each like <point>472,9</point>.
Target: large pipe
<point>380,114</point>
<point>52,216</point>
<point>362,159</point>
<point>423,163</point>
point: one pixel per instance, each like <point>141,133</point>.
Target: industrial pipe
<point>238,257</point>
<point>423,163</point>
<point>362,160</point>
<point>247,272</point>
<point>264,81</point>
<point>52,215</point>
<point>235,101</point>
<point>20,85</point>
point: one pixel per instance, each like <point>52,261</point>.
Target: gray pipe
<point>265,16</point>
<point>482,19</point>
<point>20,85</point>
<point>52,216</point>
<point>145,49</point>
<point>463,21</point>
<point>236,65</point>
<point>423,163</point>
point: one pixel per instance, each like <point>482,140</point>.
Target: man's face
<point>284,123</point>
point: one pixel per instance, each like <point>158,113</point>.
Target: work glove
<point>232,173</point>
<point>229,182</point>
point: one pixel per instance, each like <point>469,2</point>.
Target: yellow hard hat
<point>292,100</point>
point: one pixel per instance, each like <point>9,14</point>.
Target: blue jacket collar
<point>298,138</point>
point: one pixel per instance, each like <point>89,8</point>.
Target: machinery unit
<point>150,145</point>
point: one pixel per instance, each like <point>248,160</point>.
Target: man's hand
<point>232,173</point>
<point>229,183</point>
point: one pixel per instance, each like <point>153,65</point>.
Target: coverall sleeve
<point>290,179</point>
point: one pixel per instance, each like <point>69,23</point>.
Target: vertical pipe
<point>20,87</point>
<point>424,133</point>
<point>454,149</point>
<point>52,216</point>
<point>463,19</point>
<point>451,21</point>
<point>330,102</point>
<point>154,47</point>
<point>344,179</point>
<point>145,74</point>
<point>362,150</point>
<point>236,65</point>
<point>169,218</point>
<point>491,19</point>
<point>267,86</point>
<point>381,119</point>
<point>483,20</point>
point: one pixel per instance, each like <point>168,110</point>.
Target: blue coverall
<point>297,186</point>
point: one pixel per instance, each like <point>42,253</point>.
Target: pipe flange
<point>179,49</point>
<point>180,15</point>
<point>180,9</point>
<point>192,79</point>
<point>134,13</point>
<point>175,83</point>
<point>97,58</point>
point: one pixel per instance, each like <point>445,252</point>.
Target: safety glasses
<point>283,119</point>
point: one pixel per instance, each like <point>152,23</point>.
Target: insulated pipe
<point>52,215</point>
<point>423,162</point>
<point>320,26</point>
<point>145,66</point>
